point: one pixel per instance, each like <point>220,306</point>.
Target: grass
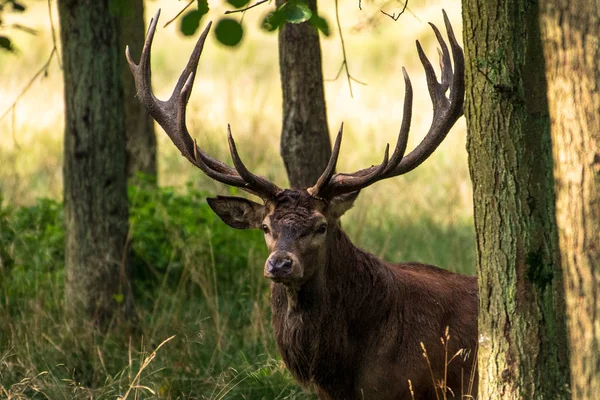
<point>199,287</point>
<point>196,279</point>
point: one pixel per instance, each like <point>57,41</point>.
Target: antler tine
<point>457,91</point>
<point>445,113</point>
<point>444,59</point>
<point>257,182</point>
<point>405,127</point>
<point>223,177</point>
<point>435,88</point>
<point>171,115</point>
<point>330,169</point>
<point>141,72</point>
<point>345,183</point>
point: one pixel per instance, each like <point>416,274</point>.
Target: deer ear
<point>237,212</point>
<point>342,203</point>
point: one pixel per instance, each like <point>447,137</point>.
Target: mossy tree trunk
<point>139,126</point>
<point>571,31</point>
<point>305,143</point>
<point>95,190</point>
<point>522,353</point>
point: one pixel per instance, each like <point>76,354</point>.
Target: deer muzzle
<point>282,266</point>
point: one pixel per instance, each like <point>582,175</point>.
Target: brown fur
<point>351,324</point>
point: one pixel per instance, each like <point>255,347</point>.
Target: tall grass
<point>196,279</point>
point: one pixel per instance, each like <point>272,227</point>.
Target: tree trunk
<point>95,190</point>
<point>522,353</point>
<point>139,126</point>
<point>305,143</point>
<point>571,31</point>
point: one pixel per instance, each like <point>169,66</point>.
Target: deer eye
<point>265,228</point>
<point>321,229</point>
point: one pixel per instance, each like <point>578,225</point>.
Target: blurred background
<point>191,285</point>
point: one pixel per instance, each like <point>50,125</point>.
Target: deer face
<point>298,229</point>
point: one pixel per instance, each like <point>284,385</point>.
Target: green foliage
<point>238,3</point>
<point>191,20</point>
<point>9,6</point>
<point>203,6</point>
<point>295,11</point>
<point>320,23</point>
<point>229,32</point>
<point>169,229</point>
<point>195,278</point>
<point>272,21</point>
<point>6,43</point>
<point>15,5</point>
<point>31,251</point>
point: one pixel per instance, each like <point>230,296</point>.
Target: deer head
<point>300,224</point>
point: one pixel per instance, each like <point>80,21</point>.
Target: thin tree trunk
<point>95,191</point>
<point>305,143</point>
<point>571,32</point>
<point>139,126</point>
<point>522,353</point>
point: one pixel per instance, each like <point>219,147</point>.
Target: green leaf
<point>272,21</point>
<point>6,44</point>
<point>190,22</point>
<point>229,32</point>
<point>18,7</point>
<point>320,23</point>
<point>238,3</point>
<point>295,11</point>
<point>119,297</point>
<point>203,7</point>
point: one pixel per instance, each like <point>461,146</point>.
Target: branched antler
<point>170,115</point>
<point>446,110</point>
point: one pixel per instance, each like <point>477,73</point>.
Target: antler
<point>170,115</point>
<point>445,113</point>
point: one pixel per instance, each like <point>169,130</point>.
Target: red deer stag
<point>346,323</point>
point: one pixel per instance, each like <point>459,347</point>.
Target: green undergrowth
<point>195,279</point>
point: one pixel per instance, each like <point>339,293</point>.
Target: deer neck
<point>344,266</point>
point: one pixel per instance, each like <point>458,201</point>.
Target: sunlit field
<point>202,281</point>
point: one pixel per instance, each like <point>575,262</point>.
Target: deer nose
<point>277,266</point>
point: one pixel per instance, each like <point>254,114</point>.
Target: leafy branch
<point>258,3</point>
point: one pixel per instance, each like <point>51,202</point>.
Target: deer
<point>347,324</point>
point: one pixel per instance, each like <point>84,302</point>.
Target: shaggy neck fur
<point>318,324</point>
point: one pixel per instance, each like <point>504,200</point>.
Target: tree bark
<point>522,353</point>
<point>139,126</point>
<point>571,31</point>
<point>95,190</point>
<point>305,143</point>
